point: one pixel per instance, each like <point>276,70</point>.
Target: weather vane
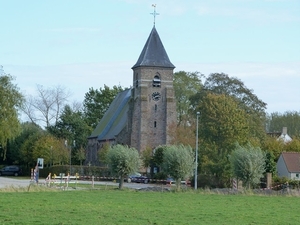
<point>154,13</point>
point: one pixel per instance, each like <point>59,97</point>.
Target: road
<point>11,181</point>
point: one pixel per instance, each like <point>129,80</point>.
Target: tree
<point>222,124</point>
<point>185,84</point>
<point>46,107</point>
<point>103,153</point>
<point>270,163</point>
<point>146,157</point>
<point>11,100</point>
<point>274,146</point>
<point>14,154</point>
<point>71,127</point>
<point>222,84</point>
<point>248,164</point>
<point>158,156</point>
<point>178,162</point>
<point>96,103</point>
<point>123,161</point>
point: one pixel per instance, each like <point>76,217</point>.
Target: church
<point>142,116</point>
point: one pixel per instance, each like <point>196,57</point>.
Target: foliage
<point>293,145</point>
<point>10,101</point>
<point>274,146</point>
<point>103,153</point>
<point>220,83</point>
<point>123,161</point>
<point>289,119</point>
<point>159,155</point>
<point>183,134</point>
<point>247,101</point>
<point>46,107</point>
<point>178,162</point>
<point>270,164</point>
<point>72,127</point>
<point>185,84</point>
<point>96,103</point>
<point>222,124</point>
<point>248,164</point>
<point>146,157</point>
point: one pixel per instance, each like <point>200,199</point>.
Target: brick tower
<point>153,107</point>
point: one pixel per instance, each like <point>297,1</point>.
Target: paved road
<point>11,181</point>
<point>8,182</point>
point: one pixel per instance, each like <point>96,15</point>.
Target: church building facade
<point>142,116</point>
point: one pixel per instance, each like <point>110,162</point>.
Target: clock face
<point>156,96</point>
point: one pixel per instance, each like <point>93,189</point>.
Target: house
<point>142,116</point>
<point>288,165</point>
<point>284,136</point>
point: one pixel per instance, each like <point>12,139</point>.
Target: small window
<point>154,123</point>
<point>156,80</point>
<point>136,83</point>
<point>155,107</point>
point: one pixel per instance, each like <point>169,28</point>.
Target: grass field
<point>114,206</point>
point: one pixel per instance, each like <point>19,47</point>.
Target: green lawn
<point>134,207</point>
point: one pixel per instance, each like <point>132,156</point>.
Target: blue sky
<point>81,44</point>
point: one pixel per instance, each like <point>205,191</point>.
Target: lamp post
<point>196,160</point>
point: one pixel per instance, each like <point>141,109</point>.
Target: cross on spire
<point>154,13</point>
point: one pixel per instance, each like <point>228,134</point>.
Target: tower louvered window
<point>156,80</point>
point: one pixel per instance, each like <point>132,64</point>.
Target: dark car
<point>140,179</point>
<point>10,170</point>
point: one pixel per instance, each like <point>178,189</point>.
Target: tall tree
<point>45,108</point>
<point>248,164</point>
<point>186,84</point>
<point>96,102</point>
<point>178,162</point>
<point>222,124</point>
<point>220,83</point>
<point>123,161</point>
<point>11,100</point>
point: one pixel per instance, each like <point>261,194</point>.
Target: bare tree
<point>46,107</point>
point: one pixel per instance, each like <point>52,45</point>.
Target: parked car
<point>141,179</point>
<point>10,170</point>
<point>132,177</point>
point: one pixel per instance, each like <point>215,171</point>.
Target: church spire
<point>154,53</point>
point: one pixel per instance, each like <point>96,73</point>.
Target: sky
<point>88,44</point>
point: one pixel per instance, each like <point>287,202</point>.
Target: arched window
<point>156,80</point>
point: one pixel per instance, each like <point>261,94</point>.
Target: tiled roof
<point>154,53</point>
<point>292,161</point>
<point>115,118</point>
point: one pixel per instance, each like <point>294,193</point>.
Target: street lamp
<point>196,161</point>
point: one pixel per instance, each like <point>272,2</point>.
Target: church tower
<point>153,105</point>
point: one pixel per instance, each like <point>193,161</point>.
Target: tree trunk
<point>121,182</point>
<point>178,184</point>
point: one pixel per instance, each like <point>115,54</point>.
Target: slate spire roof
<point>154,53</point>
